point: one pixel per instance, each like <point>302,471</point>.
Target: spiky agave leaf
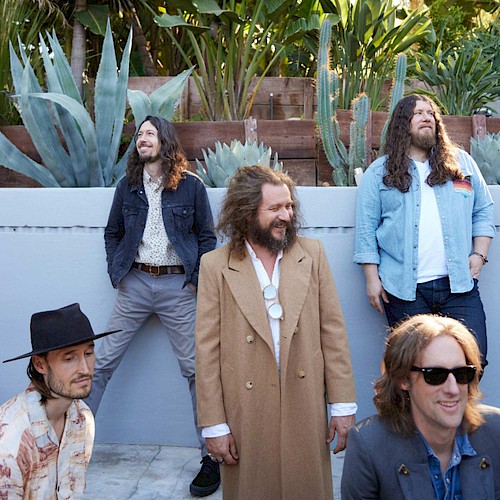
<point>222,164</point>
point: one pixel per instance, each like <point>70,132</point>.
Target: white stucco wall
<point>52,254</point>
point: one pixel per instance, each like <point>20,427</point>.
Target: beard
<point>263,236</point>
<point>148,158</point>
<point>61,389</point>
<point>424,139</point>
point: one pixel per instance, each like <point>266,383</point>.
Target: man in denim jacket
<point>424,223</point>
<point>159,226</point>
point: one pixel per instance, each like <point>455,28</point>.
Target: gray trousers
<point>139,296</point>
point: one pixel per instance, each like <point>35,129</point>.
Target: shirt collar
<point>147,179</point>
<point>253,255</point>
<point>461,445</point>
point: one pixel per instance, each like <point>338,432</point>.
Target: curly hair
<point>242,201</point>
<point>38,381</point>
<point>172,155</point>
<point>404,344</point>
<point>442,160</point>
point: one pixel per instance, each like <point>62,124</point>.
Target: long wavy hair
<point>442,159</point>
<point>242,201</point>
<point>38,381</point>
<point>173,158</point>
<point>404,344</point>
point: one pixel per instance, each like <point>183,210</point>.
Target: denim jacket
<point>387,225</point>
<point>186,215</point>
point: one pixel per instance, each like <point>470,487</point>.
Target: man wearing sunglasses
<point>431,439</point>
<point>271,348</point>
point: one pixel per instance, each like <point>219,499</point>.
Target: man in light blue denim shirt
<point>424,223</point>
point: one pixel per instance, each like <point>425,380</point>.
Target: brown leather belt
<point>159,270</point>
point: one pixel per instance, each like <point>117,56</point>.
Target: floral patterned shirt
<point>155,248</point>
<point>33,464</point>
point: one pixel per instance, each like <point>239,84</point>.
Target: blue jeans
<point>435,297</point>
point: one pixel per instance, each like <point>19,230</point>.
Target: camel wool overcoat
<point>278,418</point>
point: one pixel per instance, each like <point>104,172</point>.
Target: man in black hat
<point>47,432</point>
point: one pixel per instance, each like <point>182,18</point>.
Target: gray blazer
<point>380,464</point>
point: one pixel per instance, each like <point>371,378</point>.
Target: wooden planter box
<point>293,140</point>
<point>297,142</point>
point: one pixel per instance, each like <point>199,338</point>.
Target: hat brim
<point>68,344</point>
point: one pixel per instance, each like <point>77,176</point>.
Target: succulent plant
<point>397,91</point>
<point>75,150</point>
<point>221,165</point>
<point>486,153</point>
<point>328,93</point>
<point>357,148</point>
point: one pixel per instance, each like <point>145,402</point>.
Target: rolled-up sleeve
<point>368,217</point>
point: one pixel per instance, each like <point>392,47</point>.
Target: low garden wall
<point>52,251</point>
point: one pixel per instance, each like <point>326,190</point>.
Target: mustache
<point>82,379</point>
<point>281,223</point>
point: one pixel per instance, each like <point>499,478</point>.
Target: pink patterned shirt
<point>33,464</point>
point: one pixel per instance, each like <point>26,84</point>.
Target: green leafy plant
<point>486,153</point>
<point>221,165</point>
<point>366,38</point>
<point>231,45</point>
<point>229,49</point>
<point>75,150</point>
<point>23,19</point>
<point>461,79</point>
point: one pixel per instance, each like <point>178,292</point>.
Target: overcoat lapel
<point>295,276</point>
<point>295,273</point>
<point>244,285</point>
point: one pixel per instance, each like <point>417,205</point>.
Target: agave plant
<point>221,165</point>
<point>486,153</point>
<point>75,150</point>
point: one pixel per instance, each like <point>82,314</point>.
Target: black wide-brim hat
<point>65,327</point>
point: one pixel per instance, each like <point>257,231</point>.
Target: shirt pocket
<point>391,200</point>
<point>183,219</point>
<point>463,187</point>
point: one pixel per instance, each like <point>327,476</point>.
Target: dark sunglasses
<point>438,376</point>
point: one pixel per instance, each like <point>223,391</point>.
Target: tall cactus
<point>343,164</point>
<point>357,146</point>
<point>398,86</point>
<point>328,92</point>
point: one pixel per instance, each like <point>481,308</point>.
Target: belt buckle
<point>157,270</point>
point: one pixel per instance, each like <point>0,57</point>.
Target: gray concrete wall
<point>52,254</point>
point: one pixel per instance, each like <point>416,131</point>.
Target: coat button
<point>249,385</point>
<point>301,374</point>
<point>403,470</point>
<point>296,330</point>
<point>249,339</point>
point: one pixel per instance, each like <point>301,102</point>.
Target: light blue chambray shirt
<point>387,224</point>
